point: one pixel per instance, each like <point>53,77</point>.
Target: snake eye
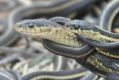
<point>73,26</point>
<point>31,25</point>
<point>20,26</point>
<point>76,27</point>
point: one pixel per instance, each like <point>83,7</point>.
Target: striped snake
<point>91,46</point>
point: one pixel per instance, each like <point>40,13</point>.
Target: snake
<point>76,39</point>
<point>8,36</point>
<point>66,8</point>
<point>103,40</point>
<point>9,75</point>
<point>6,5</point>
<point>108,15</point>
<point>60,75</point>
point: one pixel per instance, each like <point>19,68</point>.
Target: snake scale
<point>91,46</point>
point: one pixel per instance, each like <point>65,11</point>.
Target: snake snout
<point>18,26</point>
<point>21,26</point>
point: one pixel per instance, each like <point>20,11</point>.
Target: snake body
<point>85,43</point>
<point>66,8</point>
<point>109,14</point>
<point>61,75</point>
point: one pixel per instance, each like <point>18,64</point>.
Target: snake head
<point>44,29</point>
<point>56,38</point>
<point>34,27</point>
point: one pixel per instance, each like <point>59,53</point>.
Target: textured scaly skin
<point>63,36</point>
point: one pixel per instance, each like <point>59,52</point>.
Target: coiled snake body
<point>92,47</point>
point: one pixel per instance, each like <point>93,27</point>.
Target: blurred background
<point>26,56</point>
